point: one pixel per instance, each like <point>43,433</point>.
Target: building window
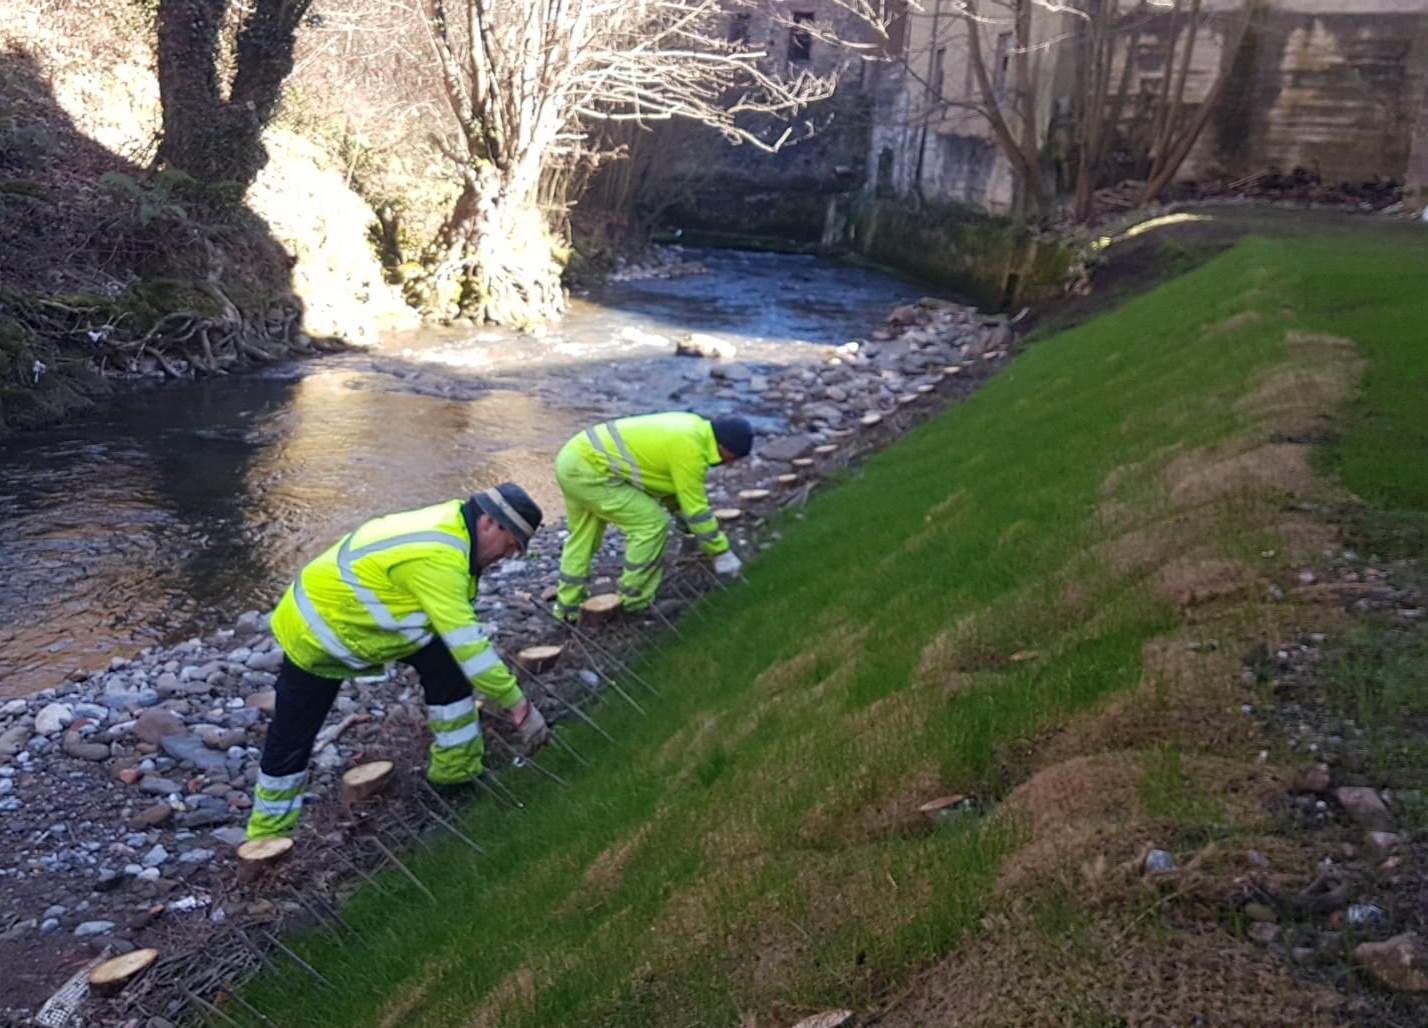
<point>800,40</point>
<point>1004,56</point>
<point>939,73</point>
<point>739,28</point>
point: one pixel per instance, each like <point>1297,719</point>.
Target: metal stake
<point>208,1006</point>
<point>295,958</point>
<point>585,639</point>
<point>233,995</point>
<point>575,709</point>
<point>521,760</point>
<point>402,867</point>
<point>499,790</point>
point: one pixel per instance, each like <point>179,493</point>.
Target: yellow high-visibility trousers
<point>593,500</point>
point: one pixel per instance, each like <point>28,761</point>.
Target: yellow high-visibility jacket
<point>385,591</point>
<point>665,455</point>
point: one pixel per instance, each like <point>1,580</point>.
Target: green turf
<point>733,854</point>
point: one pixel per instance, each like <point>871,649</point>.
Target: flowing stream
<point>169,511</point>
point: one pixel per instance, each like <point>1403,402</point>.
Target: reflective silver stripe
<point>574,579</point>
<point>466,635</point>
<point>706,533</point>
<point>441,538</point>
<point>708,515</point>
<point>411,628</point>
<point>480,664</point>
<point>494,495</point>
<point>452,711</point>
<point>281,783</point>
<point>459,736</point>
<point>635,475</point>
<point>646,565</point>
<point>325,635</point>
<point>278,808</point>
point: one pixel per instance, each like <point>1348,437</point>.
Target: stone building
<point>1334,86</point>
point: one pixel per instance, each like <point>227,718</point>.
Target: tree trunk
<point>495,259</point>
<point>213,139</point>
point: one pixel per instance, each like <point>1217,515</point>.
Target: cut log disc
<point>925,388</point>
<point>538,659</point>
<point>366,780</point>
<point>871,419</point>
<point>787,479</point>
<point>826,448</point>
<point>112,975</point>
<point>906,398</point>
<point>601,608</point>
<point>257,855</point>
<point>802,462</point>
<point>728,513</point>
<point>753,494</point>
<point>952,369</point>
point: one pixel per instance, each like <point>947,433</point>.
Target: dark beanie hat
<point>512,508</point>
<point>734,434</point>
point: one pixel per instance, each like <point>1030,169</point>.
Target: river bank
<point>148,762</point>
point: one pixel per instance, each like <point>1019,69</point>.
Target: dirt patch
<point>1274,468</point>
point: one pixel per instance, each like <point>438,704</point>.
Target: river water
<point>168,512</point>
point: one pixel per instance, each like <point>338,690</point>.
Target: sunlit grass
<point>747,847</point>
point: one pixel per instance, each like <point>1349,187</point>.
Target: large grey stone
<point>53,717</point>
<point>191,750</point>
<point>154,725</point>
<point>13,740</point>
<point>81,750</point>
<point>93,928</point>
<point>269,661</point>
<point>1400,963</point>
<point>784,448</point>
<point>156,786</point>
<point>1365,806</point>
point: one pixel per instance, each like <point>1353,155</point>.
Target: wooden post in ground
<point>259,855</point>
<point>366,780</point>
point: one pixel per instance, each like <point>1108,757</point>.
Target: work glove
<point>530,725</point>
<point>728,564</point>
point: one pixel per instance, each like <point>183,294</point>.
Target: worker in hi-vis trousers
<point>399,588</point>
<point>618,473</point>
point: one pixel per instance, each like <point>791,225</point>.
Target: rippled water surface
<point>168,512</point>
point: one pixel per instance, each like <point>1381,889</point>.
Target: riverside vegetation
<point>1054,600</point>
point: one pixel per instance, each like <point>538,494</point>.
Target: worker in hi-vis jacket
<point>398,588</point>
<point>619,473</point>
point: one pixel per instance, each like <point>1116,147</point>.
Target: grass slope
<point>750,852</point>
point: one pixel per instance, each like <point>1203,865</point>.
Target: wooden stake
<point>258,855</point>
<point>728,513</point>
<point>826,449</point>
<point>870,420</point>
<point>599,609</point>
<point>110,977</point>
<point>787,479</point>
<point>753,494</point>
<point>942,809</point>
<point>538,659</point>
<point>803,462</point>
<point>366,780</point>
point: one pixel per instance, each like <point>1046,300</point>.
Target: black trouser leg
<point>302,704</point>
<point>442,680</point>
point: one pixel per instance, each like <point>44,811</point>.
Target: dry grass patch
<point>1017,977</point>
<point>1276,469</point>
<point>514,993</point>
<point>1234,323</point>
<point>1182,697</point>
<point>1194,581</point>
